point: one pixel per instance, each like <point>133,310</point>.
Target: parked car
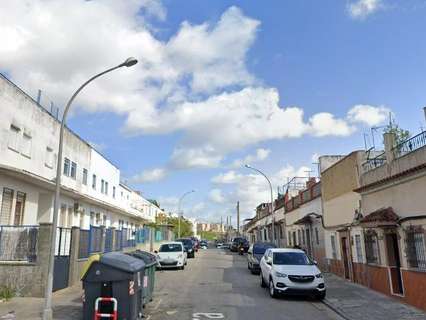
<point>204,244</point>
<point>291,271</point>
<point>255,254</point>
<point>172,255</point>
<point>237,242</point>
<point>219,244</point>
<point>188,245</point>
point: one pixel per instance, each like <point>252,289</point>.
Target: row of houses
<point>363,219</point>
<point>94,199</point>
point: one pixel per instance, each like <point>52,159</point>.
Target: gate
<point>62,258</point>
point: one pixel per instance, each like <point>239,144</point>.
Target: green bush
<point>6,293</point>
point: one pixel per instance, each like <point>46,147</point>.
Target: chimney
<point>310,182</point>
<point>390,140</point>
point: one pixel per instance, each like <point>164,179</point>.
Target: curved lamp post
<point>179,204</point>
<point>47,311</point>
<point>272,200</point>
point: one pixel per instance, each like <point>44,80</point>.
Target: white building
<point>91,190</point>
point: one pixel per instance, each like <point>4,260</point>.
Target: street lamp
<point>179,215</point>
<point>272,200</point>
<point>47,311</point>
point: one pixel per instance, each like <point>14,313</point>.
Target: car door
<point>268,267</point>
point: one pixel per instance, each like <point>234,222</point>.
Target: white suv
<point>172,255</point>
<point>291,271</point>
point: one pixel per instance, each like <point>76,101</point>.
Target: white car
<point>291,271</point>
<point>172,255</point>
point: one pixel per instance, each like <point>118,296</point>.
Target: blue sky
<point>344,64</point>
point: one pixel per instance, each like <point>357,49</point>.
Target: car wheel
<point>272,290</point>
<point>248,265</point>
<point>182,268</point>
<point>262,282</point>
<point>320,295</point>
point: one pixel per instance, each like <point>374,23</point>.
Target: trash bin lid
<point>122,262</point>
<point>149,258</point>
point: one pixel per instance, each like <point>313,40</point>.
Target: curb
<point>335,309</point>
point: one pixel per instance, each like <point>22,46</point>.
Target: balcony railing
<point>410,145</point>
<point>377,161</point>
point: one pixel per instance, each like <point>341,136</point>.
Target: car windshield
<point>291,258</point>
<point>171,247</point>
<point>260,250</point>
<point>186,242</point>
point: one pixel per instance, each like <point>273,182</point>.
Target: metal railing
<point>18,243</point>
<point>416,248</point>
<point>96,238</point>
<point>83,249</point>
<point>375,162</point>
<point>410,145</point>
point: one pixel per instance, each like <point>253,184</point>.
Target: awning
<point>308,219</point>
<point>381,217</point>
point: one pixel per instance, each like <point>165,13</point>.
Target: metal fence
<point>371,248</point>
<point>410,145</point>
<point>83,249</point>
<point>18,243</point>
<point>96,238</point>
<point>118,240</point>
<point>373,163</point>
<point>108,240</point>
<point>142,235</point>
<point>63,241</point>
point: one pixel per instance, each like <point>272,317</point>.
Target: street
<point>218,282</point>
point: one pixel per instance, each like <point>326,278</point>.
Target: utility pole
<point>238,218</point>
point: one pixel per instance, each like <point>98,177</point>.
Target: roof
<point>286,250</point>
<point>381,215</point>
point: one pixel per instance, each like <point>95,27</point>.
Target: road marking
<point>199,315</point>
<point>158,305</point>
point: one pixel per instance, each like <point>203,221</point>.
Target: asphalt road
<point>218,282</point>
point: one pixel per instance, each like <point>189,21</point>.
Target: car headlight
<point>319,275</point>
<point>280,275</point>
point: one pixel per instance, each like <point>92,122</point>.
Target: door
<point>394,261</point>
<point>345,256</point>
<point>308,243</point>
<point>62,258</point>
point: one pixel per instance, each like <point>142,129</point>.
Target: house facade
<point>393,219</point>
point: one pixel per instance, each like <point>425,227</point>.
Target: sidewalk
<point>66,306</point>
<point>355,302</point>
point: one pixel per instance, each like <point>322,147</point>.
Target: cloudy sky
<point>220,84</point>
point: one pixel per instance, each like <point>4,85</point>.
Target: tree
<point>185,226</point>
<point>401,135</point>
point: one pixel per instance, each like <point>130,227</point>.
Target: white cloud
<point>229,177</point>
<point>363,8</point>
<point>260,155</point>
<point>216,196</point>
<point>325,124</point>
<point>369,115</point>
<point>152,175</point>
<point>204,157</point>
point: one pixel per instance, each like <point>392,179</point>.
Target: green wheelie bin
<point>150,261</point>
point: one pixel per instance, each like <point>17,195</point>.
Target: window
<point>106,188</point>
<point>98,218</point>
<point>416,247</point>
<point>113,192</point>
<point>92,218</point>
<point>6,206</point>
<point>102,186</point>
<point>104,220</point>
<point>85,173</point>
<point>49,158</point>
<point>371,247</point>
<point>333,246</point>
<point>94,182</point>
<point>26,145</point>
<point>289,238</point>
<point>67,167</point>
<point>358,247</point>
<point>303,236</point>
<point>14,138</point>
<point>299,237</point>
<point>19,208</point>
<point>73,170</point>
<point>316,236</point>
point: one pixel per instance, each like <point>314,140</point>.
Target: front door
<point>345,257</point>
<point>308,243</point>
<point>394,262</point>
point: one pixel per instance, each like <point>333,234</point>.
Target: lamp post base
<point>47,314</point>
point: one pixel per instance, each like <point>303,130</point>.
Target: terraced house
<point>98,211</point>
<point>392,190</point>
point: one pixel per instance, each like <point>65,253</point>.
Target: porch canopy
<point>384,217</point>
<point>307,219</point>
